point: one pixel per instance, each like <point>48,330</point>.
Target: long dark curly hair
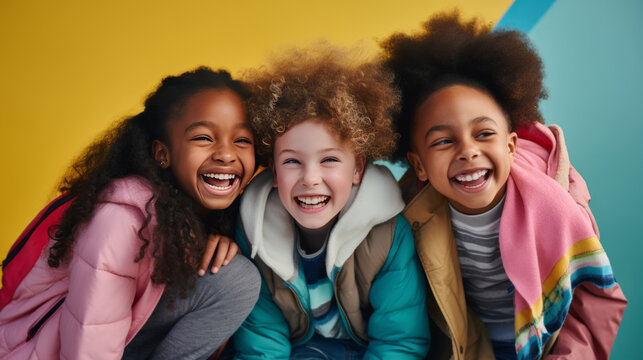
<point>180,234</point>
<point>451,50</point>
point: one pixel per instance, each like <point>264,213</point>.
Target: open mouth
<point>312,202</point>
<point>219,181</point>
<point>472,180</point>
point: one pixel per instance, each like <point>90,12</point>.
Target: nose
<point>312,176</point>
<point>224,152</point>
<point>468,150</point>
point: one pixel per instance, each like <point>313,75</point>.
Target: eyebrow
<point>195,125</point>
<point>207,124</point>
<point>481,119</point>
<point>478,120</point>
<point>434,129</point>
<point>296,152</point>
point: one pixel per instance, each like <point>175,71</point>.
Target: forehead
<point>219,106</point>
<point>455,105</point>
<point>311,134</point>
<point>211,108</point>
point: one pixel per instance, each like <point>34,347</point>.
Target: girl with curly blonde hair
<point>340,273</point>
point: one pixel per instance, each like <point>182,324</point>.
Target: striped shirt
<point>487,288</point>
<point>320,289</point>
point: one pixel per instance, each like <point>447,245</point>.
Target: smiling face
<point>211,148</point>
<point>314,173</point>
<point>461,144</point>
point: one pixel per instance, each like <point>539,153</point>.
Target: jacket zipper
<point>301,307</point>
<point>34,329</point>
<point>351,332</point>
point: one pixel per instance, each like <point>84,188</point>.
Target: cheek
<point>178,162</point>
<point>507,164</point>
<point>341,180</point>
<point>434,167</point>
<point>190,157</point>
<point>284,196</point>
<point>283,180</point>
<point>249,165</point>
<point>283,189</point>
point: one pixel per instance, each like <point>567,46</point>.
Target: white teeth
<point>471,177</point>
<point>312,200</point>
<point>219,187</point>
<point>474,186</point>
<point>220,176</point>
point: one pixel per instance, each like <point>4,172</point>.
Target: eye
<point>442,141</point>
<point>330,160</point>
<point>290,161</point>
<point>201,138</point>
<point>244,141</point>
<point>485,133</point>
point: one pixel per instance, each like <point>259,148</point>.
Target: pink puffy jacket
<point>108,296</point>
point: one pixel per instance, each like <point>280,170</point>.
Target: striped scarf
<point>548,242</point>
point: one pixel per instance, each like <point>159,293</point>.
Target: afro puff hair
<point>450,50</point>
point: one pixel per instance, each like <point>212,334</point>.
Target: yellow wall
<point>69,68</point>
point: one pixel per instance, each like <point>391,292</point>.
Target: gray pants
<point>198,325</point>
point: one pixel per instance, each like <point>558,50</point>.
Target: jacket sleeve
<point>399,325</point>
<point>595,314</point>
<point>96,315</point>
<point>264,334</point>
<point>591,324</point>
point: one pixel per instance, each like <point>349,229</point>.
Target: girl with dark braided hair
<point>125,256</point>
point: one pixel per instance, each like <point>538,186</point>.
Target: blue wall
<point>593,55</point>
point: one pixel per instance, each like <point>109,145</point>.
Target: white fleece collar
<point>271,231</point>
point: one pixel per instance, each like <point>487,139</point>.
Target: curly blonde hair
<point>354,98</point>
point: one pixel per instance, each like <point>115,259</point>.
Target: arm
<point>399,325</point>
<point>591,324</point>
<point>264,334</point>
<point>96,316</point>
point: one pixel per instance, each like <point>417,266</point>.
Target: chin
<point>312,224</point>
<point>219,204</point>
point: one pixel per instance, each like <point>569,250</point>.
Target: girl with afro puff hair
<point>119,277</point>
<point>500,218</point>
<point>341,279</point>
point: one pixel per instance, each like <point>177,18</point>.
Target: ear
<point>161,154</point>
<point>416,163</point>
<point>360,166</point>
<point>512,140</point>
